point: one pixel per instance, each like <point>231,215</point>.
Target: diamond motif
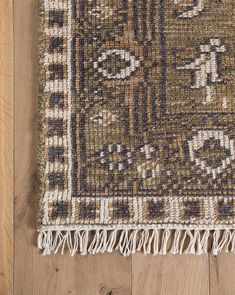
<point>115,157</point>
<point>198,141</point>
<point>131,63</point>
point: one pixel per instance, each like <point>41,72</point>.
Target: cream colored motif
<point>149,169</point>
<point>101,12</point>
<point>205,68</point>
<point>194,10</point>
<point>105,118</point>
<point>198,141</point>
<point>147,150</point>
<point>125,55</point>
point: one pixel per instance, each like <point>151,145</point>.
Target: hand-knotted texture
<point>137,137</point>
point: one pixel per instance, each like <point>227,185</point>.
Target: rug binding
<point>130,241</point>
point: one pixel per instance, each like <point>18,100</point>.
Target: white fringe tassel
<point>130,241</point>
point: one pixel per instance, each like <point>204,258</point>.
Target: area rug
<point>136,126</point>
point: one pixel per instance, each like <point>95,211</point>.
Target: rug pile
<point>137,126</point>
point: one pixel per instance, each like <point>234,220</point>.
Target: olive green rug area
<point>137,126</point>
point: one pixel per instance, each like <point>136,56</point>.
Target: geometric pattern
<point>137,113</point>
<point>225,144</point>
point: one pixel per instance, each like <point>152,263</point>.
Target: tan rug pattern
<point>137,126</point>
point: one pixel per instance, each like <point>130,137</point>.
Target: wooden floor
<point>32,273</point>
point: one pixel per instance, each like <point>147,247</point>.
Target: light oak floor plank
<point>170,275</point>
<point>34,273</point>
<point>6,147</point>
<point>222,274</point>
<point>108,274</point>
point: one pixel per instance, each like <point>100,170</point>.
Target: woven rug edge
<point>156,240</point>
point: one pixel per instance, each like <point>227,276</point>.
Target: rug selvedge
<point>137,123</point>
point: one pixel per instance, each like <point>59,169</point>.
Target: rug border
<point>64,231</point>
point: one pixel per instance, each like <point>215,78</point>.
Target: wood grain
<point>170,275</point>
<point>34,273</point>
<point>222,274</point>
<point>6,147</point>
<point>109,274</point>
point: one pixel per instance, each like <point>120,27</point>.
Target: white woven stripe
<point>140,209</point>
<point>56,195</point>
<point>106,210</point>
<point>56,141</point>
<point>60,114</point>
<point>56,86</point>
<point>135,209</point>
<point>55,4</point>
<point>56,167</point>
<point>175,209</point>
<point>54,58</point>
<point>58,32</point>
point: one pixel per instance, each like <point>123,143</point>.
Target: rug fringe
<point>130,241</point>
